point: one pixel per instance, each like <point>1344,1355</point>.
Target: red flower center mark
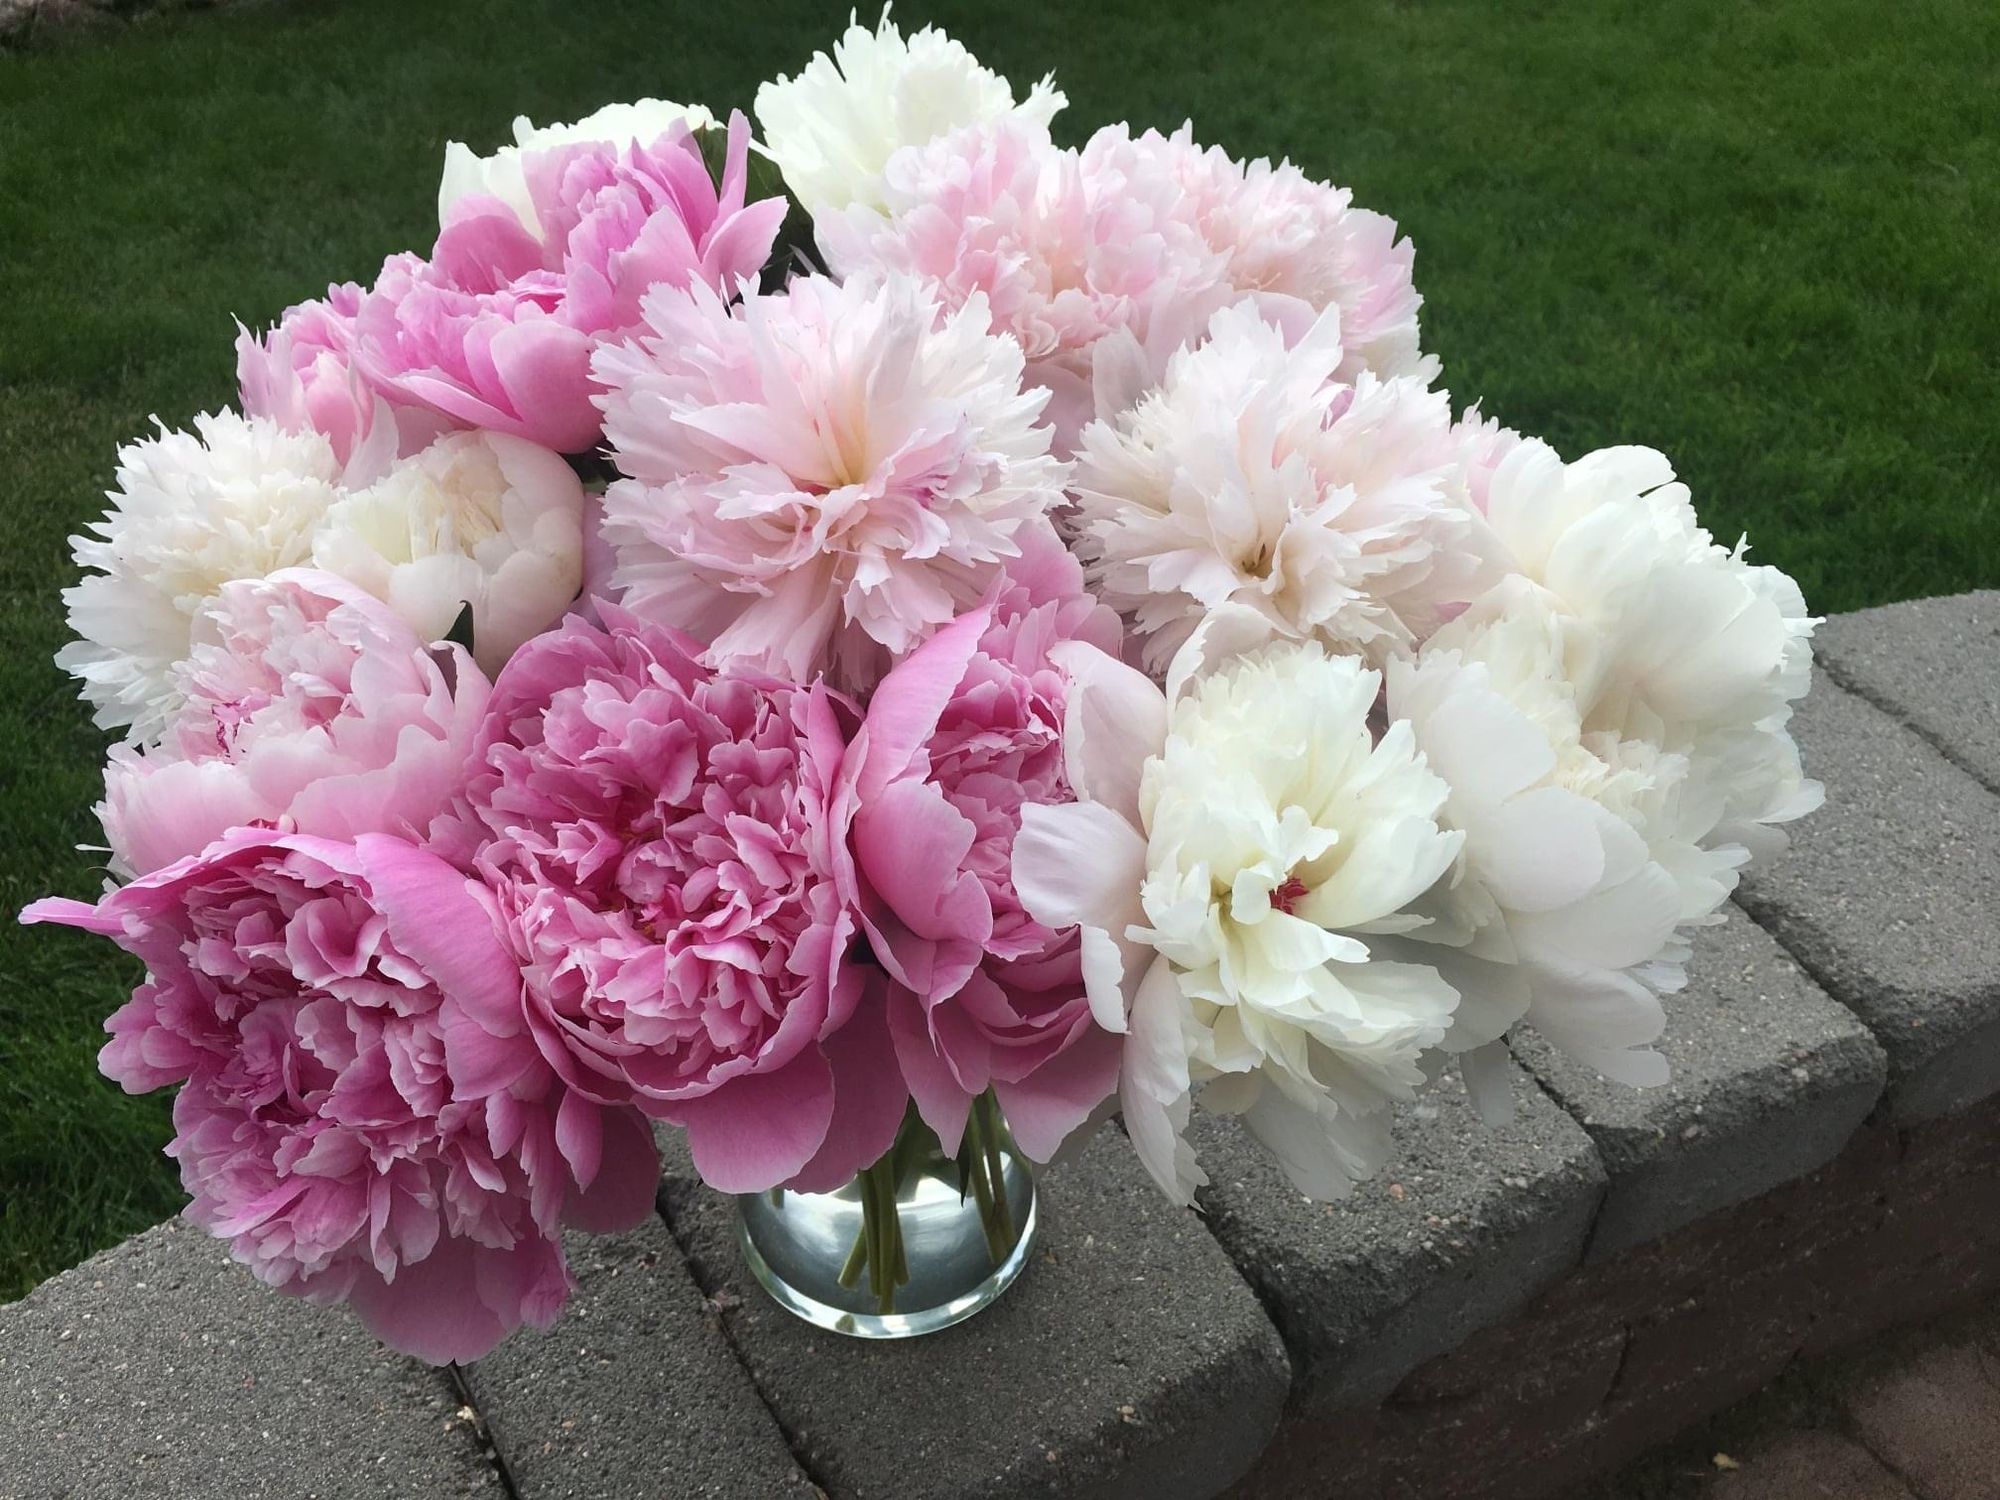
<point>1288,895</point>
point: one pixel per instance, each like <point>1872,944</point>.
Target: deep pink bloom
<point>657,840</point>
<point>959,737</point>
<point>497,329</point>
<point>306,704</point>
<point>362,1115</point>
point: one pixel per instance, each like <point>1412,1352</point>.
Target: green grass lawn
<point>1758,237</point>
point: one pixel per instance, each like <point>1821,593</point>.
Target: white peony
<point>1681,645</point>
<point>1254,477</point>
<point>832,129</point>
<point>500,175</point>
<point>476,518</point>
<point>190,512</point>
<point>1232,895</point>
<point>1575,873</point>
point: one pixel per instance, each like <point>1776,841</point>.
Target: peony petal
<point>1114,720</point>
<point>1079,863</point>
<point>1062,1095</point>
<point>759,1130</point>
<point>625,1191</point>
<point>868,1098</point>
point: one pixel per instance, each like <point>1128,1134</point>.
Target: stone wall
<point>1502,1313</point>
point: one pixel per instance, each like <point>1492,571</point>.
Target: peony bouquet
<point>883,629</point>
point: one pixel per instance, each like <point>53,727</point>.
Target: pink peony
<point>362,1115</point>
<point>820,478</point>
<point>496,330</point>
<point>305,704</point>
<point>1066,250</point>
<point>657,841</point>
<point>959,737</point>
<point>300,375</point>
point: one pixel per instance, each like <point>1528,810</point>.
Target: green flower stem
<point>981,1168</point>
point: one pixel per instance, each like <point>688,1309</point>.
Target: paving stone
<point>635,1393</point>
<point>1770,1079</point>
<point>1934,664</point>
<point>159,1368</point>
<point>1129,1360</point>
<point>1465,1226</point>
<point>1889,897</point>
<point>1809,1464</point>
<point>1936,1421</point>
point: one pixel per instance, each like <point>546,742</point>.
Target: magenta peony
<point>820,478</point>
<point>657,840</point>
<point>361,1114</point>
<point>959,737</point>
<point>305,704</point>
<point>496,330</point>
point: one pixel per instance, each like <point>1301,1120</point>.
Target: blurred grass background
<point>1760,237</point>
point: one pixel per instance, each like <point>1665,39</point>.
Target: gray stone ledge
<point>1933,664</point>
<point>159,1368</point>
<point>1770,1080</point>
<point>1890,898</point>
<point>1467,1224</point>
<point>1129,1362</point>
<point>635,1394</point>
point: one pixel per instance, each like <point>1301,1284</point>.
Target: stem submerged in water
<point>981,1168</point>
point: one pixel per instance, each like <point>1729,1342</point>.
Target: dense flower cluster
<point>1070,655</point>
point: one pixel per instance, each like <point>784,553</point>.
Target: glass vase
<point>919,1241</point>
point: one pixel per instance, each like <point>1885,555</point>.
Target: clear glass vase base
<point>798,1245</point>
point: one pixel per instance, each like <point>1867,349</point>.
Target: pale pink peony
<point>307,705</point>
<point>1106,261</point>
<point>362,1115</point>
<point>497,329</point>
<point>960,736</point>
<point>657,841</point>
<point>818,479</point>
<point>1483,446</point>
<point>1255,476</point>
<point>1067,249</point>
<point>1285,236</point>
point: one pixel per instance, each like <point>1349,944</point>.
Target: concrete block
<point>1936,1421</point>
<point>1129,1360</point>
<point>1770,1079</point>
<point>1465,1226</point>
<point>1808,1464</point>
<point>1933,664</point>
<point>1890,898</point>
<point>635,1393</point>
<point>160,1368</point>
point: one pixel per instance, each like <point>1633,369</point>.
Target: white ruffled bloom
<point>500,175</point>
<point>1253,476</point>
<point>1687,647</point>
<point>1611,720</point>
<point>477,518</point>
<point>832,129</point>
<point>1575,873</point>
<point>235,498</point>
<point>1232,894</point>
